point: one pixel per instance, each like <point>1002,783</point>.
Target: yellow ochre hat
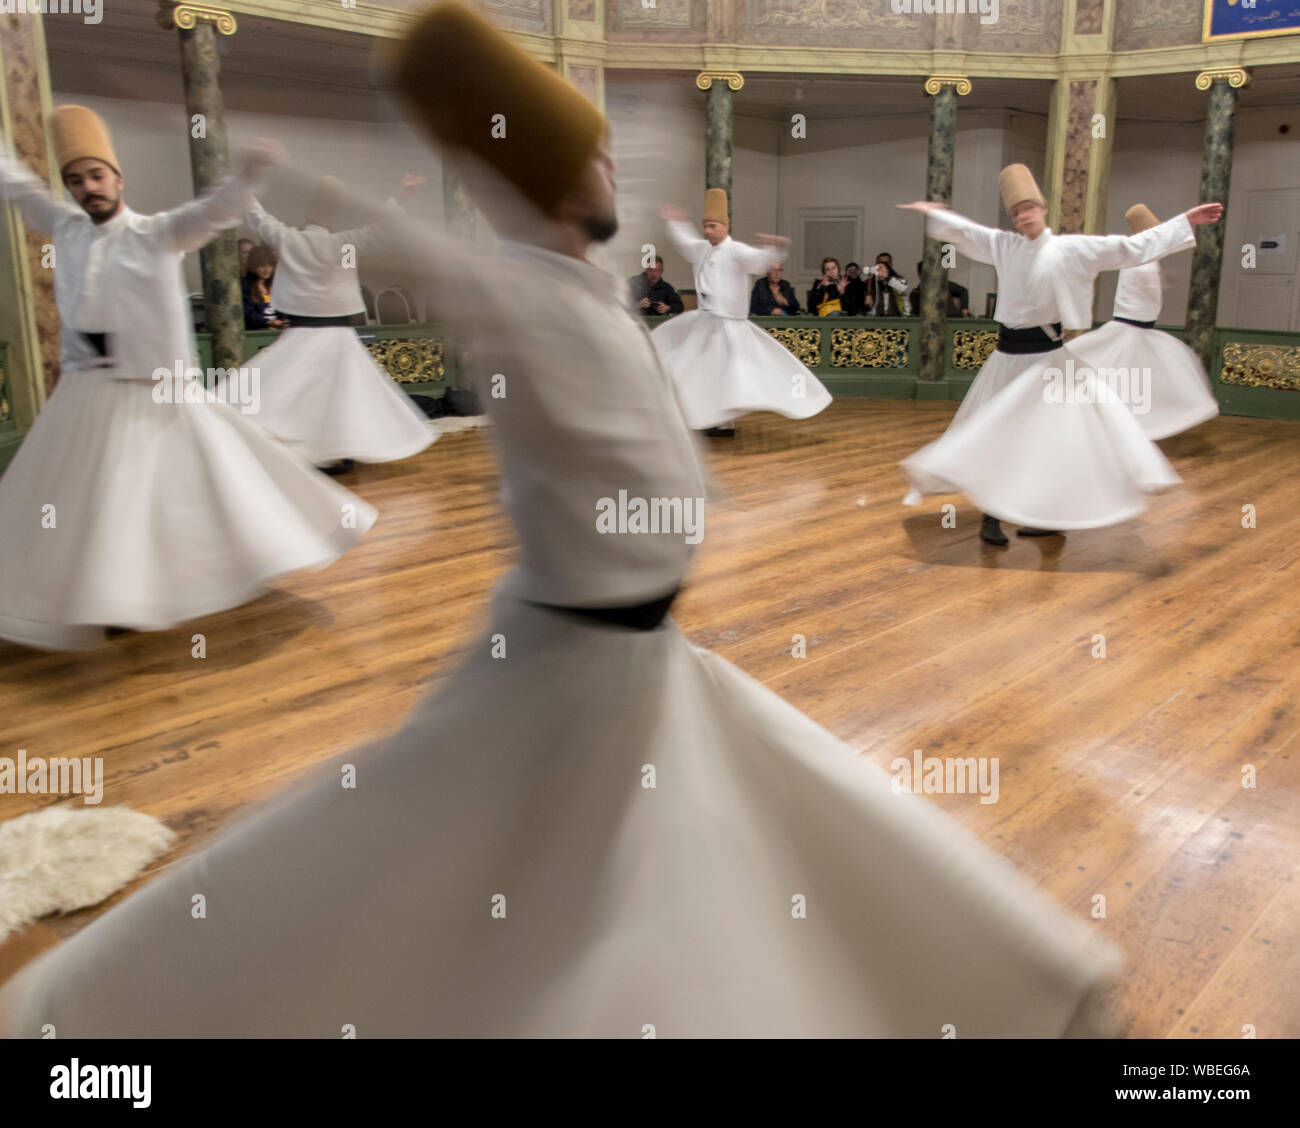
<point>715,206</point>
<point>79,133</point>
<point>468,86</point>
<point>1139,217</point>
<point>1018,185</point>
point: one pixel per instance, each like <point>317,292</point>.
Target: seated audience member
<point>255,283</point>
<point>651,295</point>
<point>887,288</point>
<point>245,245</point>
<point>773,295</point>
<point>833,294</point>
<point>858,284</point>
<point>958,297</point>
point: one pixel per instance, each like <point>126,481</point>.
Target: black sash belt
<point>97,342</point>
<point>639,617</point>
<point>302,321</point>
<point>1139,324</point>
<point>1018,342</point>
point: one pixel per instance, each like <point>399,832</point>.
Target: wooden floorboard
<point>1120,776</point>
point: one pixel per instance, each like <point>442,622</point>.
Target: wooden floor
<point>1120,776</point>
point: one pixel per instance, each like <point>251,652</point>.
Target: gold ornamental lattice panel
<point>1261,366</point>
<point>972,347</point>
<point>806,344</point>
<point>869,348</point>
<point>411,361</point>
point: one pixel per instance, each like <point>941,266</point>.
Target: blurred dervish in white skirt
<point>322,392</point>
<point>1037,439</point>
<point>1160,378</point>
<point>139,499</point>
<point>593,827</point>
<point>722,364</point>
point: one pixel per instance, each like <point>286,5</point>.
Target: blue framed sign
<point>1237,19</point>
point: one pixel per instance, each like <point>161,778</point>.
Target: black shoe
<point>1030,531</point>
<point>113,632</point>
<point>721,432</point>
<point>991,532</point>
<point>342,466</point>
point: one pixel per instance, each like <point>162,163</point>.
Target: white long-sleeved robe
<point>587,828</point>
<point>722,364</point>
<point>322,392</point>
<point>167,504</point>
<point>1024,445</point>
<point>1160,378</point>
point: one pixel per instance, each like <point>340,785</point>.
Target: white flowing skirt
<point>590,832</point>
<point>1037,451</point>
<point>724,367</point>
<point>323,395</point>
<point>1168,390</point>
<point>121,511</point>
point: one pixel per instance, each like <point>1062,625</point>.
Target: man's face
<point>887,261</point>
<point>714,231</point>
<point>591,203</point>
<point>852,270</point>
<point>774,275</point>
<point>95,187</point>
<point>1029,218</point>
<point>654,273</point>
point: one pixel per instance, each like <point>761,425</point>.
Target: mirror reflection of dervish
<point>322,392</point>
<point>137,501</point>
<point>722,364</point>
<point>1037,439</point>
<point>593,826</point>
<point>1168,390</point>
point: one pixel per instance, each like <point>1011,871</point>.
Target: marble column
<point>1081,124</point>
<point>943,90</point>
<point>1216,174</point>
<point>198,26</point>
<point>719,85</point>
<point>29,316</point>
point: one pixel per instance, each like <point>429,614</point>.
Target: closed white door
<point>1267,297</point>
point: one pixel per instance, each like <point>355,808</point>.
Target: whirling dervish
<point>722,364</point>
<point>322,392</point>
<point>138,499</point>
<point>1038,440</point>
<point>593,826</point>
<point>1160,378</point>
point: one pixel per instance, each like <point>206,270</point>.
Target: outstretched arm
<point>373,233</point>
<point>189,226</point>
<point>267,228</point>
<point>971,239</point>
<point>759,259</point>
<point>690,244</point>
<point>1115,252</point>
<point>39,207</point>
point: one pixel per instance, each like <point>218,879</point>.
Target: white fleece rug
<point>62,858</point>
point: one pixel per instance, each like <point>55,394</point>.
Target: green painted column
<point>943,91</point>
<point>1216,176</point>
<point>210,163</point>
<point>719,86</point>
